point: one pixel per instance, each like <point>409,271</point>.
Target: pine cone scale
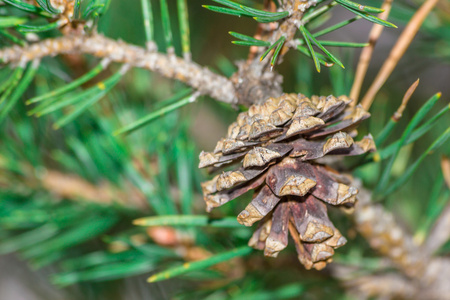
<point>278,237</point>
<point>290,177</point>
<point>259,207</point>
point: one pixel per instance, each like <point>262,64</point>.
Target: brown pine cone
<point>278,143</point>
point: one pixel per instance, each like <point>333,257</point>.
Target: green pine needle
<point>270,19</point>
<point>14,78</point>
<point>418,117</point>
<point>23,6</point>
<point>228,3</point>
<point>181,99</point>
<point>46,5</point>
<point>311,50</point>
<point>96,93</point>
<point>40,28</point>
<point>387,130</point>
<point>78,234</point>
<point>20,89</point>
<point>289,291</point>
<point>200,264</point>
<point>188,220</point>
<point>12,38</point>
<point>250,44</point>
<point>360,7</point>
<point>186,156</point>
<point>92,94</point>
<point>110,271</point>
<point>369,17</point>
<point>147,14</point>
<point>77,9</point>
<point>242,10</point>
<point>72,85</point>
<point>343,44</point>
<point>339,44</point>
<point>277,51</point>
<point>412,168</point>
<point>28,238</point>
<point>11,21</point>
<point>165,17</point>
<point>324,61</point>
<point>98,258</point>
<point>321,47</point>
<point>386,152</point>
<point>248,40</point>
<point>433,210</point>
<point>279,41</point>
<point>226,11</point>
<point>93,9</point>
<point>263,14</point>
<point>10,84</point>
<point>183,19</point>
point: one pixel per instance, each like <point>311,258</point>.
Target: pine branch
<point>170,66</point>
<point>255,81</point>
<point>384,234</point>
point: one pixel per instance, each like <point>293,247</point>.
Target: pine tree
<point>105,109</point>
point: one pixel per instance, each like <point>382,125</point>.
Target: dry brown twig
<point>397,51</point>
<point>366,53</point>
<point>399,112</point>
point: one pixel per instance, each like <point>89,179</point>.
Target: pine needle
<point>188,220</point>
<point>201,264</point>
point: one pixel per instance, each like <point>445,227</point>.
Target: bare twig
<point>397,52</point>
<point>399,112</point>
<point>366,53</point>
<point>200,78</point>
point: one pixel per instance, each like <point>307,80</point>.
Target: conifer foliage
<point>104,108</point>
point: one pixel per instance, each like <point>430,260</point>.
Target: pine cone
<point>278,143</point>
